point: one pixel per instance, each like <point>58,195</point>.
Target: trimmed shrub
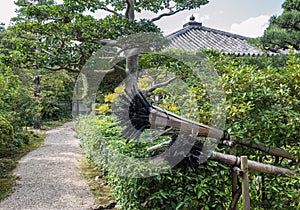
<point>174,189</point>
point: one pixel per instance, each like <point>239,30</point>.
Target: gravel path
<point>50,177</point>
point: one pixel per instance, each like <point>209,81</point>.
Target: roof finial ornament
<point>192,23</point>
<point>192,18</point>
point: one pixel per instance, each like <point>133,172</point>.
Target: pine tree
<point>284,30</point>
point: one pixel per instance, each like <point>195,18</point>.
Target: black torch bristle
<point>189,150</point>
<point>133,113</point>
<point>136,114</point>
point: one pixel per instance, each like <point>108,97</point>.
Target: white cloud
<point>252,27</point>
<point>203,18</point>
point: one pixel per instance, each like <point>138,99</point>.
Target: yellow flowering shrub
<point>144,83</point>
<point>170,107</point>
<point>119,90</point>
<point>103,109</point>
<point>110,98</point>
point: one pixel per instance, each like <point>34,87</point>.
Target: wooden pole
<point>268,149</point>
<point>77,100</point>
<point>234,160</point>
<point>245,183</point>
<point>254,165</point>
<point>234,176</point>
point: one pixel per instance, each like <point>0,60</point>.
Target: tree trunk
<point>131,71</point>
<point>130,10</point>
<point>132,55</point>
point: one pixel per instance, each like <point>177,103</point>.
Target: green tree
<point>47,35</point>
<point>63,36</point>
<point>284,30</point>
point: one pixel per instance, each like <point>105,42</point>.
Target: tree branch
<point>119,68</point>
<point>108,42</point>
<point>143,3</point>
<point>167,14</point>
<point>111,11</point>
<point>47,52</point>
<point>113,60</point>
<point>116,68</point>
<point>64,19</point>
<point>28,38</point>
<point>105,71</point>
<point>158,146</point>
<point>54,68</point>
<point>61,68</point>
<point>160,85</point>
<point>235,198</point>
<point>60,48</point>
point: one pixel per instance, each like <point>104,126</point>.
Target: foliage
<point>284,30</point>
<point>62,36</point>
<point>6,132</point>
<point>21,107</point>
<point>55,97</point>
<point>262,106</point>
<point>16,103</point>
<point>264,98</point>
<point>173,189</point>
<point>51,36</point>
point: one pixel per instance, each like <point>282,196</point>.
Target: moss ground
<point>100,189</point>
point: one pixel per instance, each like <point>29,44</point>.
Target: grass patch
<point>100,189</point>
<point>9,158</point>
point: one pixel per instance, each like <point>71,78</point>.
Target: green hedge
<point>173,189</point>
<point>262,105</point>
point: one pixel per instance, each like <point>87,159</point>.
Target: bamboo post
<point>234,176</point>
<point>245,183</point>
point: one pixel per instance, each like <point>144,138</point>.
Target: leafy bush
<point>55,98</point>
<point>6,133</point>
<point>262,105</point>
<point>16,103</point>
<point>173,189</point>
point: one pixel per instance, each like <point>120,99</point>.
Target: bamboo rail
<point>160,118</point>
<point>234,161</point>
<point>254,165</point>
<point>268,149</point>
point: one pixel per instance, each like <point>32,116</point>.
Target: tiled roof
<point>194,36</point>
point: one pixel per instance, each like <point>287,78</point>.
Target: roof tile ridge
<point>176,33</point>
<point>224,33</point>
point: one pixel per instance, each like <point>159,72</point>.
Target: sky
<point>244,17</point>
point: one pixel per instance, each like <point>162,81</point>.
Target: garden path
<point>50,177</point>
